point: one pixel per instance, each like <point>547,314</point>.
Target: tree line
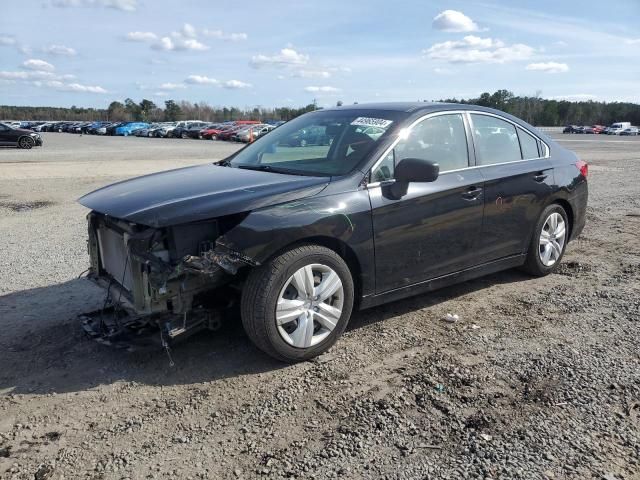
<point>549,113</point>
<point>534,110</point>
<point>148,111</point>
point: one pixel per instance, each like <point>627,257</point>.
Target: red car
<point>226,135</point>
<point>212,133</point>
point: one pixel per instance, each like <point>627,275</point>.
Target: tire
<point>184,135</point>
<point>534,263</point>
<point>265,287</point>
<point>26,143</point>
<point>303,143</point>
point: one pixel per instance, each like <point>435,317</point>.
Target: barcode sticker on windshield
<point>372,122</point>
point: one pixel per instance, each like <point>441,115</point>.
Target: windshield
<point>325,143</point>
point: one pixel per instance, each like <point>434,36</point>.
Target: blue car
<point>129,127</point>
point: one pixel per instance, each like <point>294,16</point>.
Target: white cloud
<point>38,65</point>
<point>474,49</point>
<point>125,5</point>
<point>160,94</point>
<point>325,89</point>
<point>76,87</point>
<point>7,41</point>
<point>60,50</point>
<point>189,31</point>
<point>235,84</point>
<point>234,37</point>
<point>549,67</point>
<point>286,57</point>
<point>312,74</point>
<point>178,43</point>
<point>454,21</point>
<point>632,41</point>
<point>26,75</point>
<point>141,36</point>
<point>442,71</point>
<point>172,86</point>
<point>201,80</point>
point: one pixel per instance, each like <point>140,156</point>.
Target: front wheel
<point>297,305</point>
<point>549,241</point>
<point>26,143</point>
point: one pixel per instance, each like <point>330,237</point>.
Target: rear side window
<point>528,144</point>
<point>496,140</point>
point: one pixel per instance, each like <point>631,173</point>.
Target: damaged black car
<point>399,200</point>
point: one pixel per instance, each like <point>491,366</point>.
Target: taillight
<point>583,167</point>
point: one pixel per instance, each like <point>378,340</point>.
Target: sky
<point>290,53</point>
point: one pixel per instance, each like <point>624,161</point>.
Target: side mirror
<point>416,170</point>
<point>410,170</point>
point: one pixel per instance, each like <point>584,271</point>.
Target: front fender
<point>343,217</point>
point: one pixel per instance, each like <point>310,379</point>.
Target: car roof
<point>409,107</point>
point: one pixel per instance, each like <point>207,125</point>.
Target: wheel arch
<point>338,246</point>
<point>570,214</point>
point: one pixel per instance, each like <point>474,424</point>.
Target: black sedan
<point>297,237</point>
<point>17,137</point>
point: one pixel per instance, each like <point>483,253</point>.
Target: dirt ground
<point>539,379</point>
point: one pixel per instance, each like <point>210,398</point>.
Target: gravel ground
<point>539,379</point>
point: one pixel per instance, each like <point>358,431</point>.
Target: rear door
<point>518,179</point>
<point>434,228</point>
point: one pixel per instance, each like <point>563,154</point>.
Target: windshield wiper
<point>269,168</point>
<point>224,163</point>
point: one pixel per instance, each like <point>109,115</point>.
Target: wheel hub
<point>309,305</point>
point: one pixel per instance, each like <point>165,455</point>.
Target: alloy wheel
<point>309,305</point>
<point>26,142</point>
<point>552,239</point>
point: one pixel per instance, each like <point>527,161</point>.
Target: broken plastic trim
<point>209,262</point>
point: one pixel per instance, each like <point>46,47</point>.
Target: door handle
<point>472,193</point>
<point>540,177</point>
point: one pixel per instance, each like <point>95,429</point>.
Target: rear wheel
<point>184,135</point>
<point>26,143</point>
<point>298,304</point>
<point>549,241</point>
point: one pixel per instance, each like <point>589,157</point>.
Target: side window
<point>440,139</point>
<point>528,144</point>
<point>496,140</point>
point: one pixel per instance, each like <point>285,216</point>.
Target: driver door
<point>434,228</point>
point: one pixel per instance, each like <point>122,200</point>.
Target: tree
<point>172,111</point>
<point>116,112</point>
<point>133,109</point>
<point>145,108</point>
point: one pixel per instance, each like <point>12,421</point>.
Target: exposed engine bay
<point>178,279</point>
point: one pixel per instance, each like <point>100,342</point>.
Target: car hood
<point>23,131</point>
<point>197,193</point>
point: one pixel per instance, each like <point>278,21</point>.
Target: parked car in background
<point>618,127</point>
<point>631,131</point>
<point>252,133</point>
<point>181,128</point>
<point>297,237</point>
<point>211,133</point>
<point>18,137</point>
<point>127,128</point>
<point>570,129</point>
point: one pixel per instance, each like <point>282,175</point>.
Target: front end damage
<point>160,283</point>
